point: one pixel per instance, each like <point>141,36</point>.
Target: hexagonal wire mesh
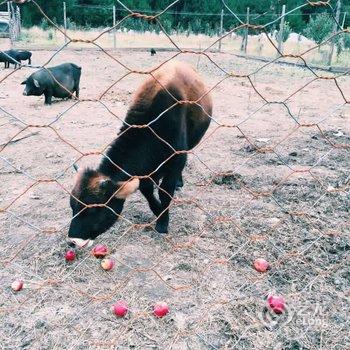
<point>283,197</point>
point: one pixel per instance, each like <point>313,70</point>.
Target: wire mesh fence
<point>269,179</point>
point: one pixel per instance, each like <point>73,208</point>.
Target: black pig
<point>8,57</point>
<point>60,81</point>
<point>22,55</point>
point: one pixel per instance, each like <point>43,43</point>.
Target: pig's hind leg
<point>48,97</point>
<point>76,89</point>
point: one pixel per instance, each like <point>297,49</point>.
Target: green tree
<point>319,28</point>
<point>53,9</point>
<point>184,14</point>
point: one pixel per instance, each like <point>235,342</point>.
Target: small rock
<point>263,140</point>
<point>184,267</point>
<point>34,196</point>
<point>180,321</point>
<point>40,324</point>
<point>249,148</point>
<point>273,221</point>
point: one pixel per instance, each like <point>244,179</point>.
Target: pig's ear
<point>24,82</point>
<point>126,188</point>
<point>36,83</point>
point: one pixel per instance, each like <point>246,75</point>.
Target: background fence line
<point>249,18</point>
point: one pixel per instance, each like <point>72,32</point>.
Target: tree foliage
<point>286,31</point>
<point>190,16</point>
<point>319,28</point>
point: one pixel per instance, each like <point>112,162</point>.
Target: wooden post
<point>9,8</point>
<point>246,32</point>
<point>244,42</point>
<point>114,30</point>
<point>341,39</point>
<point>65,21</point>
<point>19,22</point>
<point>221,27</point>
<point>280,34</point>
<point>199,56</point>
<point>335,29</point>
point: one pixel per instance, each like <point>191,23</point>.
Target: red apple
<point>107,264</point>
<point>261,265</point>
<point>100,251</point>
<point>276,303</point>
<point>17,285</point>
<point>160,309</point>
<point>70,255</point>
<point>120,308</point>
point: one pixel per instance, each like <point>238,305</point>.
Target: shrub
<point>24,36</point>
<point>50,35</point>
<point>167,25</point>
<point>44,24</point>
<point>319,28</point>
<point>286,31</point>
<point>71,24</point>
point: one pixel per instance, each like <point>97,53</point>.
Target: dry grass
<point>237,204</point>
<point>258,45</point>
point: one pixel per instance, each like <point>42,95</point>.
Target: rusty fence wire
<point>267,201</point>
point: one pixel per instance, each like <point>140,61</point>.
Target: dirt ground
<point>288,204</point>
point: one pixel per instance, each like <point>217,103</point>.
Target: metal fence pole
<point>65,21</point>
<point>335,29</point>
<point>114,30</point>
<point>221,27</point>
<point>343,23</point>
<point>280,34</point>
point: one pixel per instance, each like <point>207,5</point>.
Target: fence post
<point>246,32</point>
<point>335,29</point>
<point>10,23</point>
<point>199,56</point>
<point>244,42</point>
<point>343,23</point>
<point>65,21</point>
<point>221,27</point>
<point>114,23</point>
<point>280,34</point>
<point>18,19</point>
